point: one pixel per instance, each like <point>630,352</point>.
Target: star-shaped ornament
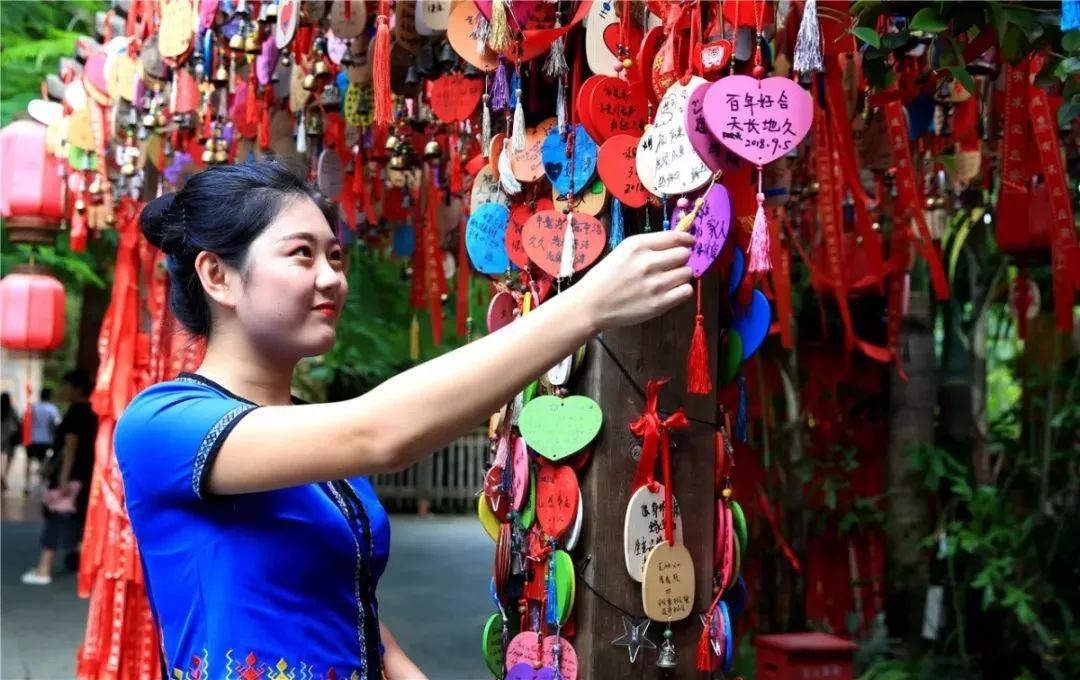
<point>634,636</point>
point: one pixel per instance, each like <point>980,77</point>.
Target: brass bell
<point>95,185</point>
<point>271,10</point>
<point>321,69</point>
<point>221,74</point>
<point>127,169</point>
<point>432,149</point>
<point>207,155</point>
<point>110,219</point>
<point>236,42</point>
<point>80,206</point>
<point>309,81</point>
<point>149,120</point>
<point>397,162</point>
<point>251,43</point>
<point>392,142</point>
<point>667,658</point>
<point>221,155</point>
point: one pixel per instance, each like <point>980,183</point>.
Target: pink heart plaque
<point>760,120</point>
<point>715,155</point>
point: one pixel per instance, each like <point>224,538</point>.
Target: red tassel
<point>264,127</point>
<point>77,234</point>
<point>455,166</point>
<point>698,380</point>
<point>381,69</point>
<point>28,420</point>
<point>704,651</point>
<point>250,113</point>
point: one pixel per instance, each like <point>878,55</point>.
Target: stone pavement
<point>433,597</point>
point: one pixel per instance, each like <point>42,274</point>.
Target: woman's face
<point>293,288</point>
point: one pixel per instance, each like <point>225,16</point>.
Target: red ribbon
<point>781,280</point>
<point>767,513</point>
<point>656,435</point>
<point>1063,245</point>
<point>831,222</point>
<point>910,198</point>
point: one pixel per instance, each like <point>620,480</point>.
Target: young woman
<point>261,539</point>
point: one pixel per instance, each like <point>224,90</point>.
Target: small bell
<point>321,69</point>
<point>251,43</point>
<point>397,162</point>
<point>271,10</point>
<point>392,142</point>
<point>236,42</point>
<point>309,81</point>
<point>127,169</point>
<point>95,185</point>
<point>149,120</point>
<point>667,659</point>
<point>432,150</point>
<point>110,219</point>
<point>80,206</point>
<point>221,155</point>
<point>221,75</point>
<point>447,55</point>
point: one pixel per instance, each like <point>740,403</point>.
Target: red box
<point>804,656</point>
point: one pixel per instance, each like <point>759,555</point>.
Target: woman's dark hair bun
<point>160,225</point>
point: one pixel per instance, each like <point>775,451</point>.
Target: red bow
<point>656,431</point>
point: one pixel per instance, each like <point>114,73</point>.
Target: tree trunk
<point>911,423</point>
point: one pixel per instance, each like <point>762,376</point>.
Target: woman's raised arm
<point>423,409</point>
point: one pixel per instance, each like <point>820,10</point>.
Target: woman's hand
<point>645,276</point>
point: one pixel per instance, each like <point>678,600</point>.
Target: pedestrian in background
<point>10,435</point>
<point>44,417</point>
<point>68,476</point>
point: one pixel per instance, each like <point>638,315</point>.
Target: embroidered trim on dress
<point>211,444</point>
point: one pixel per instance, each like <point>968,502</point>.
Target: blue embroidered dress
<point>278,584</point>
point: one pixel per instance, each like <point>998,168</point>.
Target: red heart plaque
<point>615,108</point>
<point>581,104</point>
<point>543,240</point>
<point>454,97</point>
<point>556,498</point>
<point>518,217</point>
<point>616,167</point>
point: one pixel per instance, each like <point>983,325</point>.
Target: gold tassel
<point>499,35</point>
<point>414,339</point>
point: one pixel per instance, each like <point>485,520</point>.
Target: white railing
<point>449,480</point>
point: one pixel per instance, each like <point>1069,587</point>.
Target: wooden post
<point>653,350</point>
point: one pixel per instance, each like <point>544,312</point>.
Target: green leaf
<point>1070,42</point>
<point>998,20</point>
<point>962,75</point>
<point>895,40</point>
<point>867,35</point>
<point>927,19</point>
<point>1070,66</point>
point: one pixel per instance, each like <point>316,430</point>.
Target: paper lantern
<point>31,312</point>
<point>31,190</point>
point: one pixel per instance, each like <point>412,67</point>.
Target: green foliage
<point>1021,29</point>
<point>33,37</point>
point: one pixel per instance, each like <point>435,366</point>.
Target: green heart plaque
<point>738,520</point>
<point>528,512</point>
<point>732,356</point>
<point>556,428</point>
<point>565,585</point>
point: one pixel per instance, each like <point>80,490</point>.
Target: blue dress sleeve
<point>167,438</point>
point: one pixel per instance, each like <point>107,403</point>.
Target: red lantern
<point>31,190</point>
<point>31,312</point>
